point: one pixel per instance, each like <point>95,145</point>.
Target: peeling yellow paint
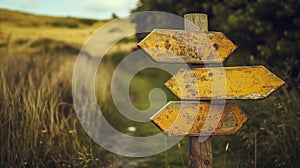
<point>188,118</point>
<point>181,46</point>
<point>244,82</point>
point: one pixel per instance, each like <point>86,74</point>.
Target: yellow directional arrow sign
<point>178,46</point>
<point>188,118</point>
<point>245,82</point>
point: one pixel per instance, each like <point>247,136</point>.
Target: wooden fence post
<point>200,153</point>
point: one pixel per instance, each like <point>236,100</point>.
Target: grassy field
<point>39,127</point>
<point>38,54</point>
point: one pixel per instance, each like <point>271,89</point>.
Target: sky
<point>96,9</point>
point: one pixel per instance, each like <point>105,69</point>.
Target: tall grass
<point>38,125</point>
<point>271,137</point>
<point>34,126</point>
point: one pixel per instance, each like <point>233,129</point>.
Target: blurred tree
<point>114,16</point>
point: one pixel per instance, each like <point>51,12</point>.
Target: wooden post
<point>200,153</point>
<point>196,21</point>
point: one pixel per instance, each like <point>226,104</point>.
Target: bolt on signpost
<point>197,84</point>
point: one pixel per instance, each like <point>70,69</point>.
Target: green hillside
<point>28,20</point>
<point>25,29</point>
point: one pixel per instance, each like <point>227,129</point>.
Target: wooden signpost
<point>200,118</point>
